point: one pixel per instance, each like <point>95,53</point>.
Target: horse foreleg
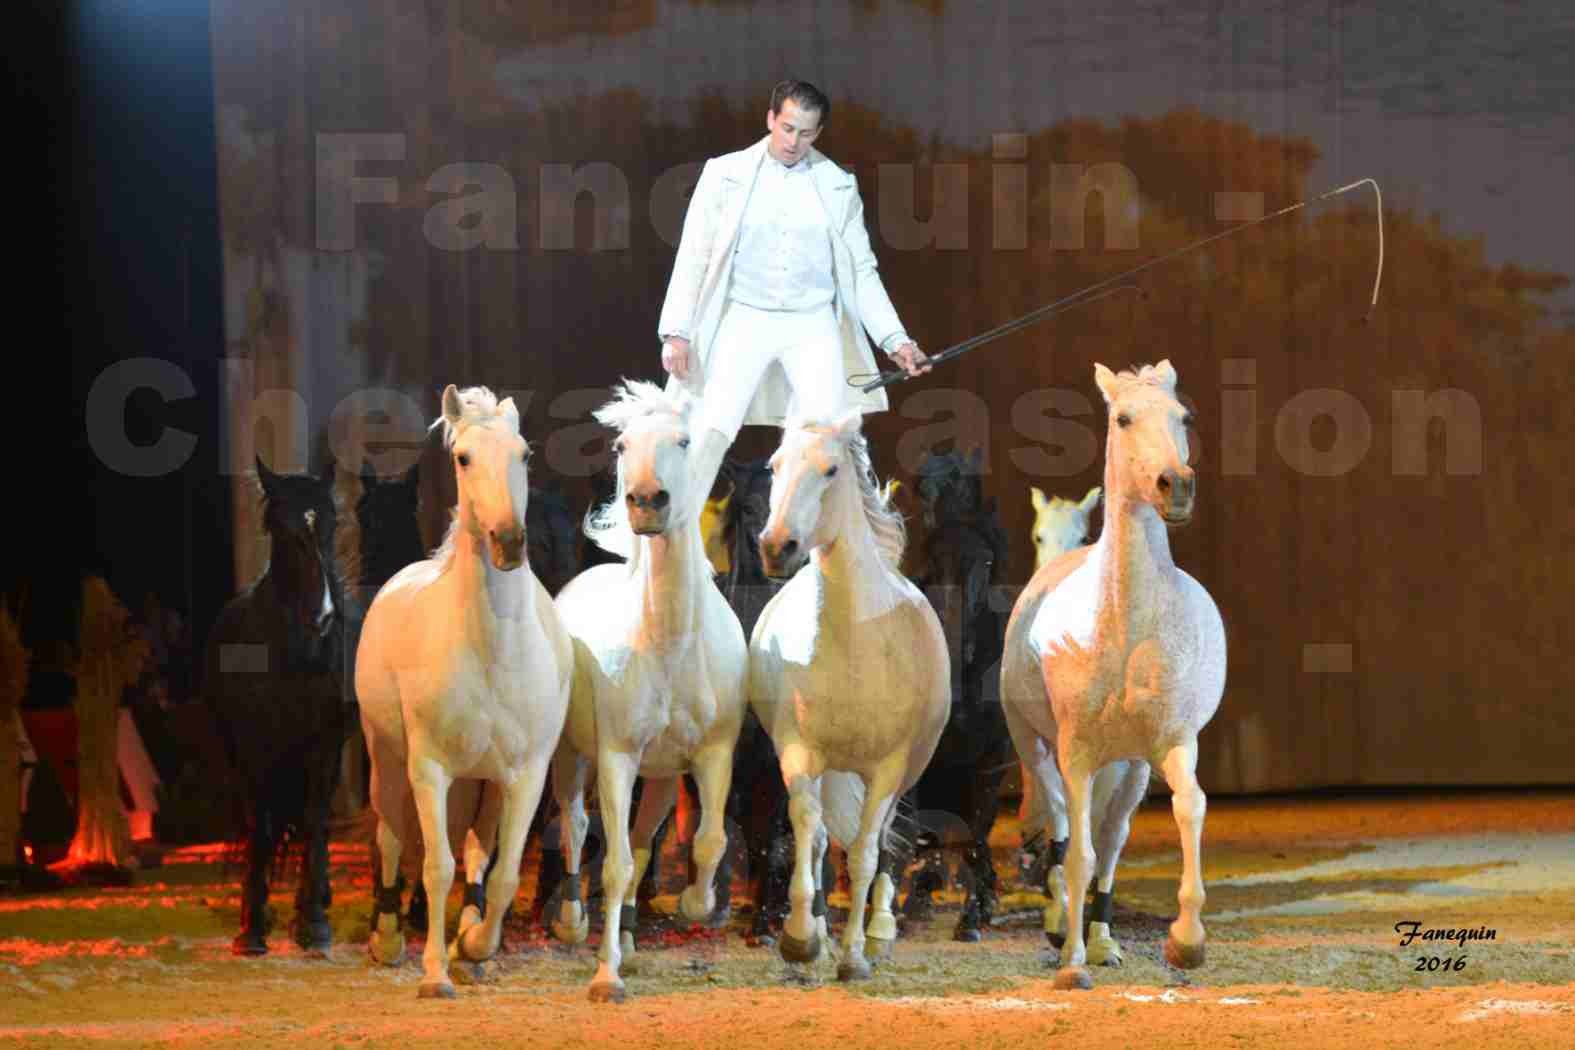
<point>614,784</point>
<point>980,803</point>
<point>863,853</point>
<point>478,815</point>
<point>1079,867</point>
<point>1118,789</point>
<point>253,938</point>
<point>656,802</point>
<point>1047,815</point>
<point>1184,946</point>
<point>713,773</point>
<point>312,930</point>
<point>430,783</point>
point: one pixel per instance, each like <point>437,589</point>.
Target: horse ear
<point>453,408</point>
<point>1036,496</point>
<point>269,479</point>
<point>1091,500</point>
<point>1105,379</point>
<point>849,422</point>
<point>510,412</point>
<point>1166,374</point>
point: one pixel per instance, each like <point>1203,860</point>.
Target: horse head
<point>390,529</point>
<point>483,436</point>
<point>1060,525</point>
<point>301,517</point>
<point>1147,453</point>
<point>553,536</point>
<point>950,486</point>
<point>653,458</point>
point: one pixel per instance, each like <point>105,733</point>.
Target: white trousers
<point>805,343</point>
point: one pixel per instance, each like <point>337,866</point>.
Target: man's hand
<point>675,357</point>
<point>913,360</point>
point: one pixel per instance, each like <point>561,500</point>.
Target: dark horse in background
<point>278,675</point>
<point>963,560</point>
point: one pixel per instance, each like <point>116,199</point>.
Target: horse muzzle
<point>780,559</point>
<point>1177,491</point>
<point>507,547</point>
<point>648,512</point>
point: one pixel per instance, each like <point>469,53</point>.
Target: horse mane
<point>607,525</point>
<point>884,518</point>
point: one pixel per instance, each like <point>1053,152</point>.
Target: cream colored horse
<point>848,673</point>
<point>1060,525</point>
<point>463,672</point>
<point>660,683</point>
<point>1114,654</point>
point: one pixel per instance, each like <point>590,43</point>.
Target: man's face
<point>792,130</point>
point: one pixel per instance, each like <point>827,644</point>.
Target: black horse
<point>278,674</point>
<point>963,560</point>
<point>388,516</point>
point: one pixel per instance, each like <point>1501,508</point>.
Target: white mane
<point>885,520</point>
<point>608,525</point>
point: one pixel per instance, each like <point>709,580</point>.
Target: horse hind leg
<point>713,773</point>
<point>1184,946</point>
<point>656,803</point>
<point>980,804</point>
<point>390,794</point>
<point>1118,790</point>
<point>510,810</point>
<point>567,918</point>
<point>881,930</point>
<point>879,798</point>
<point>478,807</point>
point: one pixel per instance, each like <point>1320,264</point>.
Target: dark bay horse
<point>962,563</point>
<point>277,673</point>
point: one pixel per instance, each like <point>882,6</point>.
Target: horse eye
<point>683,442</point>
<point>617,447</point>
<point>464,459</point>
<point>1123,420</point>
<point>832,472</point>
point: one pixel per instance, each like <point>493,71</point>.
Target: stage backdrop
<point>415,194</point>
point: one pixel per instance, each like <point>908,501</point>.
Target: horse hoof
<point>692,906</point>
<point>436,990</point>
<point>249,944</point>
<point>611,992</point>
<point>1057,940</point>
<point>1103,949</point>
<point>796,951</point>
<point>386,949</point>
<point>572,934</point>
<point>882,927</point>
<point>1183,956</point>
<point>967,934</point>
<point>878,947</point>
<point>1073,978</point>
<point>466,971</point>
<point>315,938</point>
<point>854,968</point>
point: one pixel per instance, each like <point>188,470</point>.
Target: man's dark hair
<point>807,95</point>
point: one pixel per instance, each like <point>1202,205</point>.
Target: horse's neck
<point>670,569</point>
<point>494,597</point>
<point>1136,572</point>
<point>854,577</point>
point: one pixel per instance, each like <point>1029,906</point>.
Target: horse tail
<point>841,805</point>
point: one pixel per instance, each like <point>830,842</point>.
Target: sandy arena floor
<point>1304,896</point>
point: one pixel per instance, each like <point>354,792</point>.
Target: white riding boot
<point>705,457</point>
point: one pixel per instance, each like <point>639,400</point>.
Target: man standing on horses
<point>774,286</point>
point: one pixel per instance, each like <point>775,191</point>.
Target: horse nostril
<point>789,548</point>
<point>661,499</point>
<point>1164,483</point>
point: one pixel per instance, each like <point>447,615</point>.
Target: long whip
<point>1084,295</point>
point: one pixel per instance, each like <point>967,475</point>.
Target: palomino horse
<point>662,662</point>
<point>464,672</point>
<point>277,673</point>
<point>1114,654</point>
<point>848,673</point>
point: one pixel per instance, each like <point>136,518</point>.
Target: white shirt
<point>782,260</point>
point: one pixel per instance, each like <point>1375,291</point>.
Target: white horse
<point>463,671</point>
<point>660,687</point>
<point>848,673</point>
<point>1113,654</point>
<point>1062,525</point>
